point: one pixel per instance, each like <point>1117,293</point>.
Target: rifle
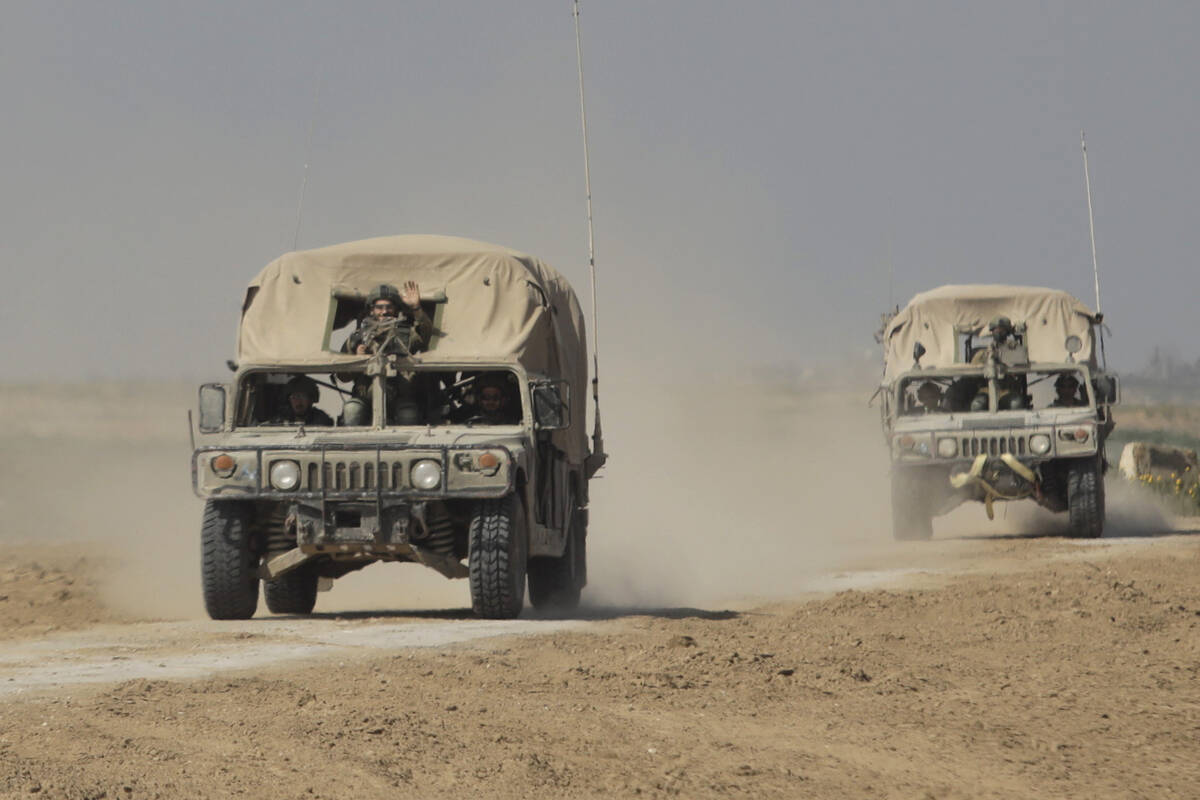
<point>389,336</point>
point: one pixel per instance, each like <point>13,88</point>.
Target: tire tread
<point>227,564</point>
<point>495,562</point>
<point>294,592</point>
<point>1085,499</point>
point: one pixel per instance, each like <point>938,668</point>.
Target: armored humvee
<point>426,475</point>
<point>995,393</point>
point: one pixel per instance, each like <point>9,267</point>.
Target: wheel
<point>496,558</point>
<point>293,592</point>
<point>911,519</point>
<point>1085,498</point>
<point>556,583</point>
<point>228,563</point>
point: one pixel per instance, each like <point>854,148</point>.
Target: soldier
<point>493,400</point>
<point>385,329</point>
<point>1066,388</point>
<point>1000,328</point>
<point>930,398</point>
<point>301,393</point>
<point>489,402</point>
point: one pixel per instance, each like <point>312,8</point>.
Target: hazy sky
<point>753,163</point>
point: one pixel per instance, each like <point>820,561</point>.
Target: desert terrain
<point>750,630</point>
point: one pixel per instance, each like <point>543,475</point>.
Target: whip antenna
<point>1087,180</point>
<point>307,150</point>
<point>597,436</point>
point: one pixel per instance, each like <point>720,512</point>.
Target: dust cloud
<point>720,491</point>
<point>104,465</point>
<point>716,493</point>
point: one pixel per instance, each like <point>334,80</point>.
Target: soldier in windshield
<point>930,398</point>
<point>1066,392</point>
<point>493,401</point>
<point>300,393</point>
<point>490,401</point>
<point>395,323</point>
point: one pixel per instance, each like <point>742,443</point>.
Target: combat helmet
<point>384,291</point>
<point>1000,323</point>
<point>302,383</point>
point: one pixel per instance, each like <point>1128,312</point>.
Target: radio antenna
<point>307,151</point>
<point>597,435</point>
<point>1087,180</point>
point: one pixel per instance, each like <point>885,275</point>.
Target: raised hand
<point>411,295</point>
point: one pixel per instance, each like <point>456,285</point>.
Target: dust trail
<point>733,489</point>
<point>1129,512</point>
<point>106,465</point>
<point>1135,512</point>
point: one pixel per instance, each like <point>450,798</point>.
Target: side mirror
<point>212,408</point>
<point>551,405</point>
<point>918,351</point>
<point>1108,389</point>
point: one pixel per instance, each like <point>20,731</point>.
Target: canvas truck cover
<point>494,303</point>
<point>936,319</point>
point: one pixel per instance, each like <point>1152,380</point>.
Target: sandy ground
<point>750,631</point>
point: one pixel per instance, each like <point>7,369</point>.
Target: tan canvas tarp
<point>936,319</point>
<point>494,304</point>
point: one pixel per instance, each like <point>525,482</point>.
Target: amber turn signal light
<point>223,465</point>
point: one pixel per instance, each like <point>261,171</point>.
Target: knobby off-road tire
<point>556,583</point>
<point>228,563</point>
<point>911,518</point>
<point>1085,498</point>
<point>496,558</point>
<point>293,592</point>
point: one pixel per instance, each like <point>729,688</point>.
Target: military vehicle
<point>471,459</point>
<point>995,393</point>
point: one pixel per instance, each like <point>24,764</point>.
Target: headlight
<point>947,448</point>
<point>426,474</point>
<point>285,475</point>
<point>1039,444</point>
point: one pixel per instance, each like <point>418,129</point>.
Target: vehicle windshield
<point>453,397</point>
<point>345,399</point>
<point>290,398</point>
<point>1018,390</point>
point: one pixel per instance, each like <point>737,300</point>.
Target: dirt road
<point>1006,667</point>
<point>777,654</point>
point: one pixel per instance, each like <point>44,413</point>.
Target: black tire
<point>1085,498</point>
<point>911,518</point>
<point>228,563</point>
<point>496,558</point>
<point>556,583</point>
<point>293,592</point>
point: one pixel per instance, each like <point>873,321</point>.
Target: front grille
<point>993,445</point>
<point>355,472</point>
<point>350,471</point>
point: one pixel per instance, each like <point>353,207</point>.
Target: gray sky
<point>753,163</point>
